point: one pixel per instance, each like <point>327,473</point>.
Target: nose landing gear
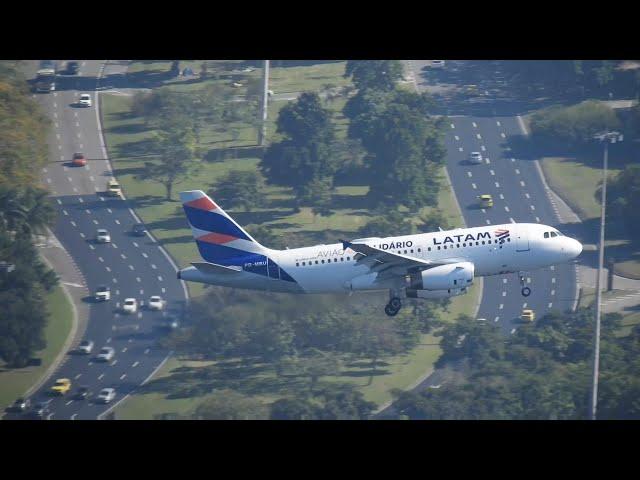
<point>526,291</point>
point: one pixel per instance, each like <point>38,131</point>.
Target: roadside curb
<point>71,338</point>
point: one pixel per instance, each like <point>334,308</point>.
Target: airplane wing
<point>387,263</point>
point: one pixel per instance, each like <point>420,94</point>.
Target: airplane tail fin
<point>219,238</point>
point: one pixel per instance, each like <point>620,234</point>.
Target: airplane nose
<point>575,248</point>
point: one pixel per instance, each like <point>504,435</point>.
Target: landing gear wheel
<point>526,291</point>
<point>390,311</point>
<point>395,303</point>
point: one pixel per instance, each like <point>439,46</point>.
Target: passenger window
<point>483,242</point>
<point>321,261</point>
<point>335,260</point>
<point>489,241</point>
<point>546,234</point>
<point>429,249</point>
<point>421,250</point>
<point>316,262</point>
<point>297,264</point>
<point>348,258</point>
<point>342,259</point>
<point>438,247</point>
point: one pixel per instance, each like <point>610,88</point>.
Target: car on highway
<point>78,160</point>
<point>106,395</point>
<point>528,315</point>
<point>237,84</point>
<point>84,100</point>
<point>21,405</point>
<point>72,68</point>
<point>103,293</point>
<point>130,305</point>
<point>102,236</point>
<point>62,386</point>
<point>485,201</point>
<point>139,230</point>
<point>475,158</point>
<point>41,409</point>
<point>113,188</point>
<point>437,63</point>
<point>169,324</point>
<point>85,347</point>
<point>82,393</point>
<point>155,303</point>
<point>106,354</point>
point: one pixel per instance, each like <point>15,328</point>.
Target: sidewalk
<point>74,286</point>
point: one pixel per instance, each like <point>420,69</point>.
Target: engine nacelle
<point>444,277</point>
<point>435,294</point>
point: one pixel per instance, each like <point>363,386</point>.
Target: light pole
<point>262,137</point>
<point>606,138</point>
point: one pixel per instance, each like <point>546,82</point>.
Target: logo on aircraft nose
<point>502,235</point>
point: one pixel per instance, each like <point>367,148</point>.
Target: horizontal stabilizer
<point>205,267</point>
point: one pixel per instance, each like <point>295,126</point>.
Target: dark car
<point>21,404</point>
<point>72,68</point>
<point>82,393</point>
<point>41,409</point>
<point>139,230</point>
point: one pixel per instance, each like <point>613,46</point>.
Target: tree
<point>230,405</point>
<point>374,74</point>
<point>624,198</point>
<point>391,223</point>
<point>306,154</point>
<point>176,147</point>
<point>293,409</point>
<point>239,189</point>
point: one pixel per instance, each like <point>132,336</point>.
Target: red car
<point>79,160</point>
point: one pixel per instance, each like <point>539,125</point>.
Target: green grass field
<point>15,382</point>
<point>166,220</point>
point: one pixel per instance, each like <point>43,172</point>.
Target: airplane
<point>432,265</point>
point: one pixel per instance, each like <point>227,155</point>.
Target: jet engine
<point>445,277</point>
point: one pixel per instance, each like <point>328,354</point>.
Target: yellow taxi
<point>113,188</point>
<point>485,201</point>
<point>528,315</point>
<point>62,386</point>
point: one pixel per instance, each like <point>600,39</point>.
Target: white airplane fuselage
<point>492,249</point>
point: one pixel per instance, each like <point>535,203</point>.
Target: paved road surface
<point>131,266</point>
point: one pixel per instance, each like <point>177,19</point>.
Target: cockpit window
<point>546,234</point>
<point>554,234</point>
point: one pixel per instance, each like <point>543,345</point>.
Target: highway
<point>131,266</point>
<point>519,195</point>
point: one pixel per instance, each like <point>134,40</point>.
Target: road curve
<point>131,266</point>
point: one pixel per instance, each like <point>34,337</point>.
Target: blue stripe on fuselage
<point>213,222</point>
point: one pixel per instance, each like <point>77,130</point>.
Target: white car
<point>102,236</point>
<point>106,354</point>
<point>156,303</point>
<point>130,305</point>
<point>475,158</point>
<point>84,100</point>
<point>103,293</point>
<point>86,346</point>
<point>437,63</point>
<point>106,395</point>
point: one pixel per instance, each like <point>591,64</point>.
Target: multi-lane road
<point>520,195</point>
<point>132,266</point>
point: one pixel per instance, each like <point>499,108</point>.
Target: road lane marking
<point>69,402</point>
<point>488,222</point>
<point>501,306</point>
<point>114,363</point>
<point>65,212</point>
<point>513,330</point>
<point>73,223</point>
<point>496,319</point>
<point>141,292</point>
<point>124,257</point>
<point>527,195</point>
<point>504,294</point>
<point>504,280</point>
<point>538,219</point>
<point>122,376</point>
<point>82,235</point>
<point>456,137</point>
<point>460,149</point>
<point>92,247</point>
<point>469,174</point>
<point>532,207</point>
<point>100,377</point>
<point>553,280</point>
<point>159,278</point>
<point>131,267</point>
<point>73,417</point>
<point>135,244</point>
<point>163,289</point>
<point>146,351</point>
<point>492,172</point>
<point>553,292</point>
<point>115,280</point>
<point>138,279</point>
<point>550,305</point>
<point>498,122</point>
<point>473,185</point>
<point>117,221</point>
<point>108,269</point>
<point>453,126</point>
<point>95,221</point>
<point>511,220</point>
<point>145,255</point>
<point>478,136</point>
<point>135,364</point>
<point>501,197</point>
<point>78,376</point>
<point>524,305</point>
<point>497,185</point>
<point>109,210</point>
<point>114,245</point>
<point>124,349</point>
<point>475,125</point>
<point>506,209</point>
<point>503,135</point>
<point>483,148</point>
<point>101,259</point>
<point>517,171</point>
<point>153,266</point>
<point>522,184</point>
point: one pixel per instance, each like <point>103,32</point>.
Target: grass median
<point>125,132</point>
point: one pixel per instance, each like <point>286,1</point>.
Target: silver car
<point>475,158</point>
<point>86,346</point>
<point>106,354</point>
<point>106,395</point>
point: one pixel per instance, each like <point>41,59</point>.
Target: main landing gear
<point>526,291</point>
<point>393,307</point>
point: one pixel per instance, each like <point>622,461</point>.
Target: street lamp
<point>606,138</point>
